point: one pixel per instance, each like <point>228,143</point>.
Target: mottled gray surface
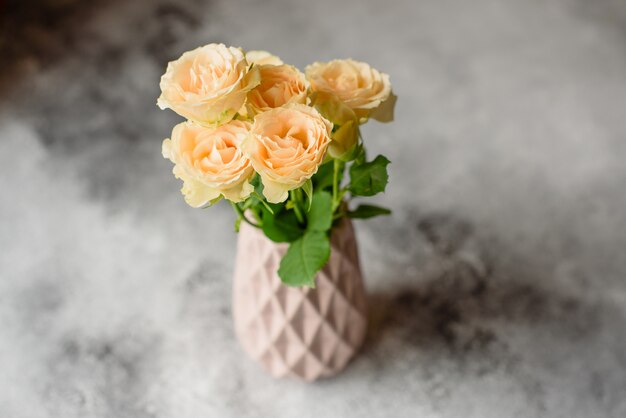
<point>498,287</point>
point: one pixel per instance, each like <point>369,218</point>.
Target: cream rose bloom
<point>346,135</point>
<point>210,161</point>
<point>362,88</point>
<point>286,146</point>
<point>262,58</point>
<point>280,85</point>
<point>207,85</point>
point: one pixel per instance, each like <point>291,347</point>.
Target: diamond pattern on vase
<point>299,332</point>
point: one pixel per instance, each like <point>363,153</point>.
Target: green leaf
<point>257,183</point>
<point>304,258</point>
<point>356,154</point>
<point>361,155</point>
<point>238,223</point>
<point>320,216</point>
<point>257,198</point>
<point>308,190</point>
<point>368,179</point>
<point>253,199</point>
<point>282,227</point>
<point>367,211</point>
<point>324,176</point>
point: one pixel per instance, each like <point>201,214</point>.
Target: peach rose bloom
<point>286,146</point>
<point>207,85</point>
<point>361,87</point>
<point>280,85</point>
<point>346,133</point>
<point>262,58</point>
<point>210,161</point>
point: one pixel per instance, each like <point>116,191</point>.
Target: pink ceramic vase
<point>298,331</point>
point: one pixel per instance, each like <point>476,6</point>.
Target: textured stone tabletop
<point>497,288</point>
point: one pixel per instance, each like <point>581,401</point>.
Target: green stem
<point>256,215</point>
<point>263,202</point>
<point>342,193</point>
<point>296,205</point>
<point>242,215</point>
<point>337,166</point>
<point>335,176</point>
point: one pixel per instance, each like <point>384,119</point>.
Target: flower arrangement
<point>277,143</point>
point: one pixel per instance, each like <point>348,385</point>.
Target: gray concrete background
<point>497,287</point>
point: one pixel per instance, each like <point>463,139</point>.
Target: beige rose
<point>280,85</point>
<point>362,88</point>
<point>346,135</point>
<point>210,161</point>
<point>262,58</point>
<point>286,146</point>
<point>207,85</point>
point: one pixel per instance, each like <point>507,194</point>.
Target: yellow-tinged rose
<point>362,88</point>
<point>346,135</point>
<point>210,161</point>
<point>280,85</point>
<point>286,146</point>
<point>207,85</point>
<point>262,58</point>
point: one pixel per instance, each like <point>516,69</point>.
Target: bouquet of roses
<point>277,143</point>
